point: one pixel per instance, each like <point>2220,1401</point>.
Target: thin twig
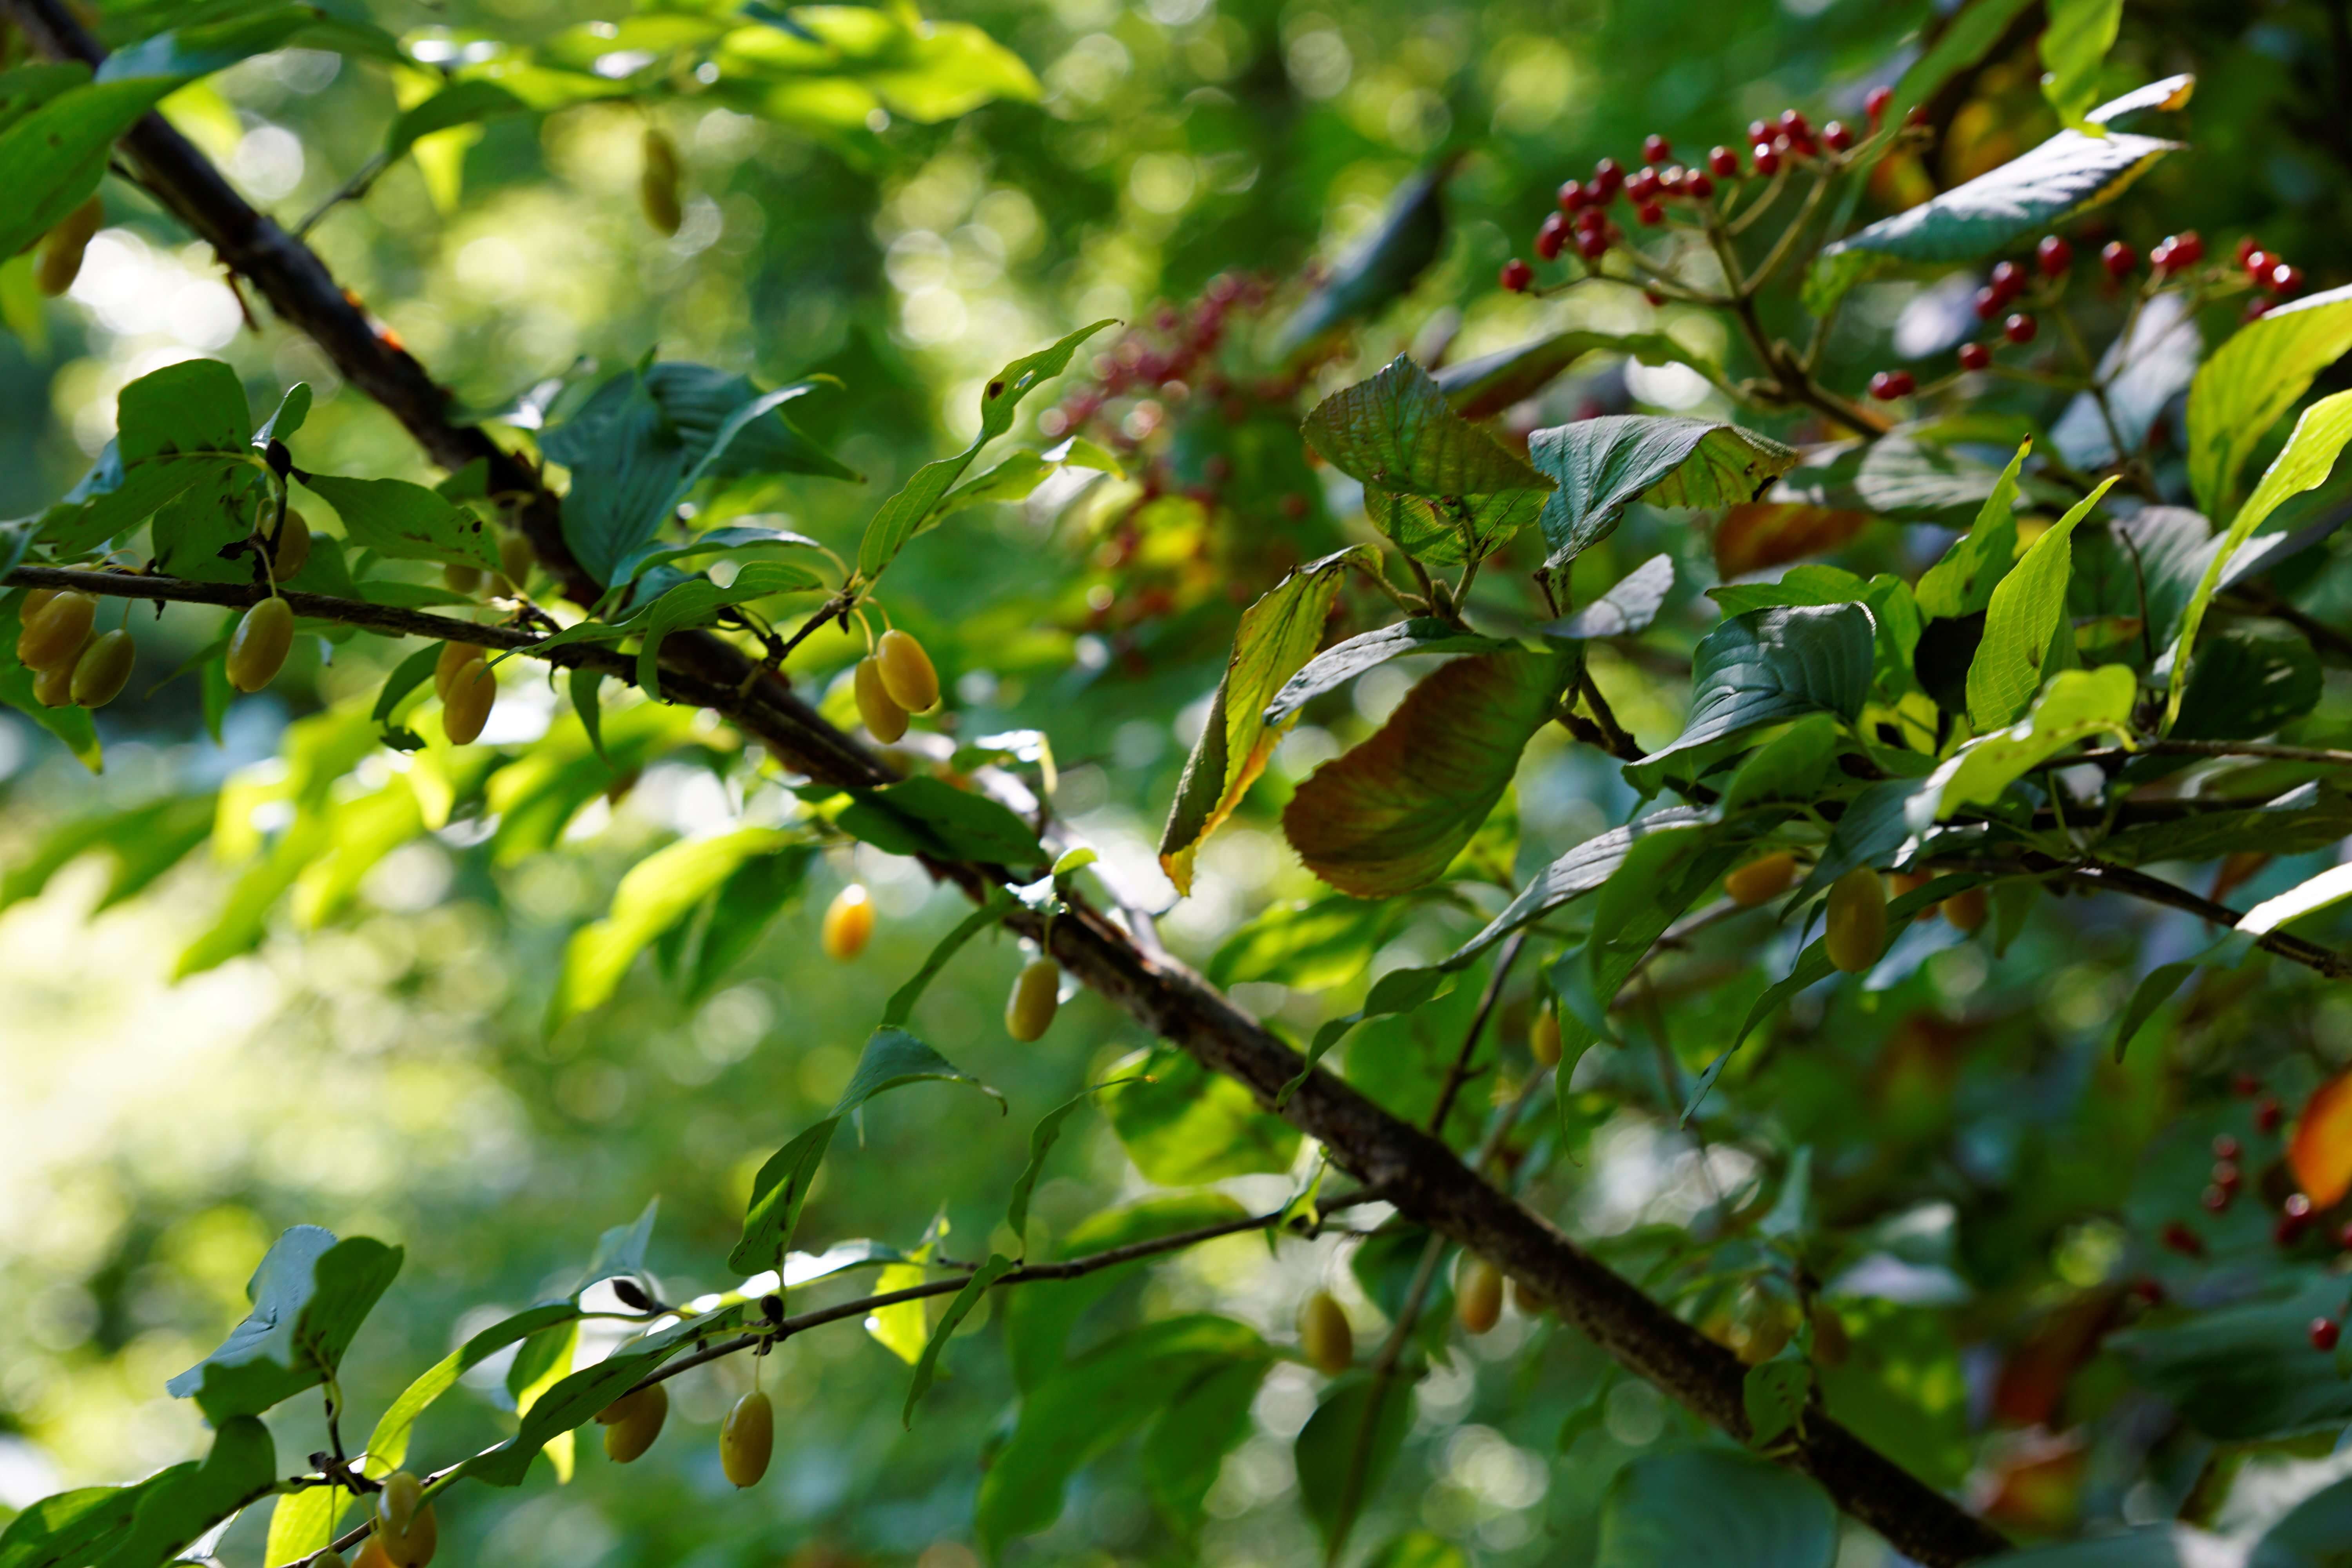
<point>1459,1073</point>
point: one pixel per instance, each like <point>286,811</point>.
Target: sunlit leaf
<point>309,1297</point>
<point>1605,465</point>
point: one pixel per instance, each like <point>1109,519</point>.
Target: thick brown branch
<point>1420,1174</point>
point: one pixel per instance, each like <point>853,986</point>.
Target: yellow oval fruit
<point>1324,1334</point>
<point>31,605</point>
<point>327,1557</point>
<point>1478,1294</point>
<point>747,1439</point>
<point>59,262</point>
<point>415,1547</point>
<point>1856,931</point>
<point>907,672</point>
<point>56,635</point>
<point>657,183</point>
<point>465,706</point>
<point>1967,909</point>
<point>396,1505</point>
<point>257,648</point>
<point>53,687</point>
<point>1901,882</point>
<point>849,921</point>
<point>1765,1331</point>
<point>454,657</point>
<point>103,669</point>
<point>1765,877</point>
<point>372,1555</point>
<point>516,558</point>
<point>1029,1011</point>
<point>632,1421</point>
<point>293,552</point>
<point>884,719</point>
<point>1543,1039</point>
<point>462,579</point>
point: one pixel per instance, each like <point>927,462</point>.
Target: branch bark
<point>1418,1173</point>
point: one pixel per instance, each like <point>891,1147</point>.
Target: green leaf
<point>1909,476</point>
<point>1186,1447</point>
<point>2074,47</point>
<point>2067,174</point>
<point>1627,608</point>
<point>1305,944</point>
<point>621,1250</point>
<point>2312,1535</point>
<point>1605,465</point>
<point>309,1297</point>
<point>916,507</point>
<point>1042,1139</point>
<point>387,1445</point>
<point>892,1058</point>
<point>1411,236</point>
<point>1090,1404</point>
<point>406,522</point>
<point>2026,618</point>
<point>1583,870</point>
<point>468,102</point>
<point>1326,1448</point>
<point>1389,815</point>
<point>1971,31</point>
<point>1714,1505</point>
<point>1484,387</point>
<point>1335,666</point>
<point>1185,1126</point>
<point>2252,679</point>
<point>177,1507</point>
<point>1417,1549</point>
<point>1398,435</point>
<point>901,1005</point>
<point>656,893</point>
<point>1772,1395</point>
<point>56,154</point>
<point>1962,582</point>
<point>931,816</point>
<point>717,540</point>
<point>927,1366</point>
<point>1770,665</point>
<point>1277,637</point>
<point>2297,823</point>
<point>194,51</point>
<point>303,1524</point>
<point>1398,991</point>
<point>1038,1318</point>
<point>2306,460</point>
<point>2077,705</point>
<point>2245,1373</point>
<point>2257,375</point>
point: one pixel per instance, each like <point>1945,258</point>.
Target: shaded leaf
<point>931,816</point>
<point>1770,665</point>
<point>1754,536</point>
<point>1962,582</point>
<point>1581,870</point>
<point>56,153</point>
<point>1714,1505</point>
<point>1185,1126</point>
<point>1338,664</point>
<point>406,522</point>
<point>1481,388</point>
<point>1326,1448</point>
<point>1627,608</point>
<point>2077,705</point>
<point>310,1296</point>
<point>2245,1373</point>
<point>1603,465</point>
<point>1409,237</point>
<point>927,1366</point>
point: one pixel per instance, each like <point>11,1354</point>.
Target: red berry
<point>2325,1333</point>
<point>2007,280</point>
<point>1768,157</point>
<point>1758,130</point>
<point>1592,244</point>
<point>2054,254</point>
<point>1572,195</point>
<point>1916,115</point>
<point>1794,124</point>
<point>2285,281</point>
<point>2257,261</point>
<point>1696,185</point>
<point>2269,1114</point>
<point>2183,1241</point>
<point>2246,249</point>
<point>2147,1292</point>
<point>2255,311</point>
<point>1836,137</point>
<point>2343,1237</point>
<point>2295,1219</point>
<point>1875,102</point>
<point>2118,258</point>
<point>2020,328</point>
<point>2225,1175</point>
<point>2160,258</point>
<point>2245,1085</point>
<point>2188,248</point>
<point>1654,297</point>
<point>1988,303</point>
<point>2216,1199</point>
<point>1656,149</point>
<point>1517,276</point>
<point>1975,356</point>
<point>1552,236</point>
<point>1590,219</point>
<point>1642,185</point>
<point>1650,213</point>
<point>1607,177</point>
<point>1889,385</point>
<point>2226,1148</point>
<point>1724,162</point>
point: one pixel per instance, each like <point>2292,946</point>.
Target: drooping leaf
<point>1333,1488</point>
<point>1408,239</point>
<point>1390,815</point>
<point>2245,1373</point>
<point>1484,387</point>
<point>1042,1139</point>
<point>1039,1317</point>
<point>1718,1505</point>
<point>2307,459</point>
<point>1627,608</point>
<point>1770,665</point>
<point>916,506</point>
<point>901,1005</point>
<point>176,1508</point>
<point>387,1445</point>
<point>2025,620</point>
<point>2074,47</point>
<point>1603,465</point>
<point>931,816</point>
<point>1581,870</point>
<point>1277,637</point>
<point>1186,1447</point>
<point>464,102</point>
<point>407,523</point>
<point>310,1296</point>
<point>656,893</point>
<point>2258,374</point>
<point>1185,1126</point>
<point>2077,705</point>
<point>2253,678</point>
<point>2297,823</point>
<point>56,153</point>
<point>1967,35</point>
<point>927,1365</point>
<point>1338,664</point>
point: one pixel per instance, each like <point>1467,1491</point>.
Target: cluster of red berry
<point>2269,272</point>
<point>1172,360</point>
<point>1582,221</point>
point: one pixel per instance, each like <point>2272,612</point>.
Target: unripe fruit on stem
<point>257,648</point>
<point>326,1557</point>
<point>747,1439</point>
<point>1875,102</point>
<point>1856,930</point>
<point>2118,258</point>
<point>462,579</point>
<point>1478,1294</point>
<point>1767,157</point>
<point>1029,1011</point>
<point>404,1525</point>
<point>1761,879</point>
<point>907,672</point>
<point>32,603</point>
<point>884,719</point>
<point>1967,909</point>
<point>516,558</point>
<point>53,687</point>
<point>103,669</point>
<point>454,657</point>
<point>1324,1334</point>
<point>396,1505</point>
<point>1543,1039</point>
<point>849,921</point>
<point>56,635</point>
<point>293,549</point>
<point>60,261</point>
<point>1902,882</point>
<point>657,183</point>
<point>465,706</point>
<point>632,1421</point>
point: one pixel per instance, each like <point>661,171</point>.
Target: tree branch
<point>1420,1174</point>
